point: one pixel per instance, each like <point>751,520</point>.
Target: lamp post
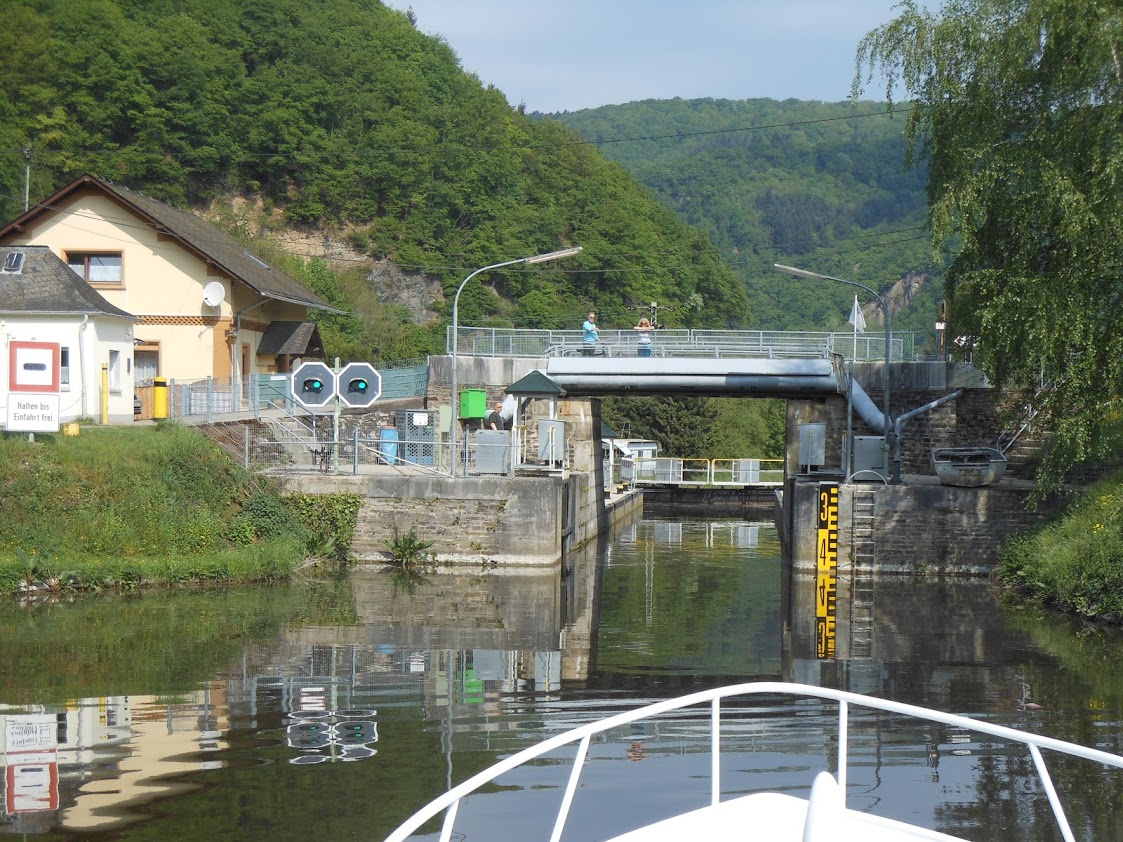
<point>538,258</point>
<point>890,436</point>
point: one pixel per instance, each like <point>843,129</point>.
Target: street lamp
<point>538,258</point>
<point>890,437</point>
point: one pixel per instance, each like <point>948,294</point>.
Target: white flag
<point>856,317</point>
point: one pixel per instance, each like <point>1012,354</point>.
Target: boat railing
<point>449,802</point>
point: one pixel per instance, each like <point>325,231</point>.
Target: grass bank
<point>122,507</point>
<point>1075,564</point>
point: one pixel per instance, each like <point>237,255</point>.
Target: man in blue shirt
<point>590,335</point>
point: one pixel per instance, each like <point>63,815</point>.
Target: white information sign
<point>30,732</point>
<point>28,413</point>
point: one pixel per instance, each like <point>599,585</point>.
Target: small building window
<point>98,269</point>
<point>115,371</point>
<point>64,367</point>
<point>13,262</point>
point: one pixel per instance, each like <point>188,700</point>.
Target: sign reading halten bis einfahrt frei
<point>33,386</point>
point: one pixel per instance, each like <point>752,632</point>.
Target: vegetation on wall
<point>1076,563</point>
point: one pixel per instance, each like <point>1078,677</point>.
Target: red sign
<point>34,367</point>
<point>31,782</point>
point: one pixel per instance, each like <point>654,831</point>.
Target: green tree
<point>818,184</point>
<point>1017,110</point>
<point>683,426</point>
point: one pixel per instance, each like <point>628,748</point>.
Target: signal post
<point>315,386</point>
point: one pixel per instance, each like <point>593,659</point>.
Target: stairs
<point>291,436</point>
<point>862,570</point>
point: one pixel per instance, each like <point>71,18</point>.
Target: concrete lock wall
<point>512,521</point>
<point>491,373</point>
<point>473,520</point>
<point>977,417</point>
<point>919,528</point>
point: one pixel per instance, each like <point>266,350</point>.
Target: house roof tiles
<point>45,284</point>
<point>213,245</point>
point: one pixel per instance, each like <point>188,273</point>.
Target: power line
<point>744,128</point>
<point>130,224</point>
<point>235,154</point>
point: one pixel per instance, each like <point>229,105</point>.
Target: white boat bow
<point>779,817</point>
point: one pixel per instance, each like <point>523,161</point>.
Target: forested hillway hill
<point>336,128</point>
<point>821,185</point>
<point>338,118</point>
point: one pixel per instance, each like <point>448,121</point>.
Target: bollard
<point>160,397</point>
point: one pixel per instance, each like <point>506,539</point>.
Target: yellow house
<point>205,305</point>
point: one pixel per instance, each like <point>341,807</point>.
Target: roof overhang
<point>292,338</point>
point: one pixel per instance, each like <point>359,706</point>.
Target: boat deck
<point>778,818</point>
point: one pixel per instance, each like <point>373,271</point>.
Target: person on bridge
<point>591,333</point>
<point>644,337</point>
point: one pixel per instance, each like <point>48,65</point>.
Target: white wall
<point>89,346</point>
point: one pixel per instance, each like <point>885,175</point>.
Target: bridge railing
<point>733,473</point>
<point>516,342</point>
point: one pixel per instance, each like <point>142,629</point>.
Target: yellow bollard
<point>160,397</point>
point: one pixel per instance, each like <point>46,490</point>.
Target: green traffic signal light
<point>314,385</point>
<point>359,386</point>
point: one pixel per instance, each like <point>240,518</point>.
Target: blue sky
<point>556,56</point>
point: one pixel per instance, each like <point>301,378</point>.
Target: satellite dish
<point>214,294</point>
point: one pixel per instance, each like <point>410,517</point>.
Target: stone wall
<point>976,417</point>
<point>920,528</point>
<point>942,529</point>
<point>475,520</point>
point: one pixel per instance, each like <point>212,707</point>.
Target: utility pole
<point>27,179</point>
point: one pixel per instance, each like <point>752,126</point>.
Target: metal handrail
<point>701,471</point>
<point>522,342</point>
<point>450,801</point>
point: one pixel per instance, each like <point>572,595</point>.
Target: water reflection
<point>337,709</point>
<point>78,764</point>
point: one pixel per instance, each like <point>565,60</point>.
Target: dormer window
<point>13,262</point>
<point>102,269</point>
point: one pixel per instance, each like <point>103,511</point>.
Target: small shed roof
<point>536,385</point>
<point>293,338</point>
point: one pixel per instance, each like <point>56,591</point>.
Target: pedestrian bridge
<point>714,377</point>
<point>519,342</point>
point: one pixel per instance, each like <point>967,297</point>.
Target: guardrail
<point>515,342</point>
<point>729,716</point>
<point>732,473</point>
<point>273,446</point>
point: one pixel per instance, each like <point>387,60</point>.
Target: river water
<point>334,709</point>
